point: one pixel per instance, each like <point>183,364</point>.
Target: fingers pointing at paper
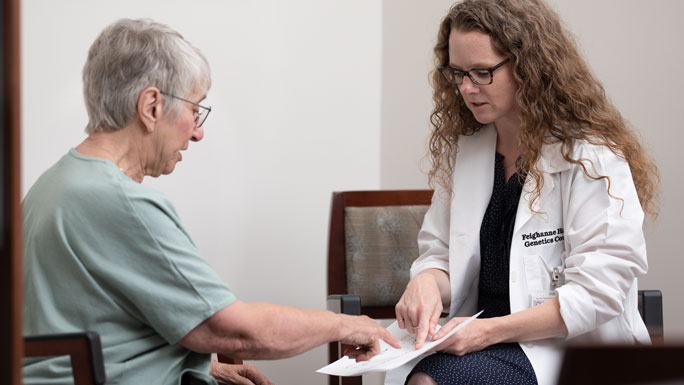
<point>389,359</point>
<point>364,334</point>
<point>420,306</point>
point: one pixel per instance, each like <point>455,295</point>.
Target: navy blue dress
<point>503,363</point>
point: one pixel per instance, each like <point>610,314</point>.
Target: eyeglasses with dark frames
<point>479,76</point>
<point>202,114</point>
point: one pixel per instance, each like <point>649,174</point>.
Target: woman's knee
<point>421,378</point>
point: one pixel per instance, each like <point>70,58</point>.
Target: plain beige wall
<point>296,115</point>
<point>633,46</point>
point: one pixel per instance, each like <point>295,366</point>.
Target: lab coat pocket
<point>542,279</point>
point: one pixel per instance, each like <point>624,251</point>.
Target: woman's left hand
<point>474,337</point>
<point>538,322</point>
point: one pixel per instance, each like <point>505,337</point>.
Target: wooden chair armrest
<point>228,360</point>
<point>84,349</point>
<point>344,304</point>
<point>651,309</point>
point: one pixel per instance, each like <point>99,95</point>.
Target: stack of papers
<point>389,357</point>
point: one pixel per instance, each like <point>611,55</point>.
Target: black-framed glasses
<point>479,76</point>
<point>201,114</point>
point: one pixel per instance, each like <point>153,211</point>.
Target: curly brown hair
<point>558,96</point>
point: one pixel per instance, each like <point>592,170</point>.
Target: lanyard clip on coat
<point>555,278</point>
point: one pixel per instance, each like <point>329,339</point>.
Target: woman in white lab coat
<point>540,195</point>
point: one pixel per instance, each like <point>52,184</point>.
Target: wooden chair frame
<point>337,283</point>
<point>337,279</point>
<point>84,349</point>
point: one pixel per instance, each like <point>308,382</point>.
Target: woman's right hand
<point>420,307</point>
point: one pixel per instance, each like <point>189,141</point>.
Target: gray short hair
<point>131,55</point>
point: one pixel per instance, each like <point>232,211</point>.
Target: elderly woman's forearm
<point>274,331</point>
<point>265,331</point>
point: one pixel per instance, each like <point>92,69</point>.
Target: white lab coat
<point>594,240</point>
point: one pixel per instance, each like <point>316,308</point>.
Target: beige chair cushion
<point>381,243</point>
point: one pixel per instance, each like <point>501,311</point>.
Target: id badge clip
<point>541,297</point>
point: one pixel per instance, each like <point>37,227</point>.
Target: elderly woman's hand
<point>238,374</point>
<point>420,307</point>
<point>364,334</point>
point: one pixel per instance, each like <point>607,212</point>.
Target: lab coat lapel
<point>473,181</point>
<point>472,186</point>
<point>550,161</point>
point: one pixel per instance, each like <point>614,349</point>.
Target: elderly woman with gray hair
<point>105,253</point>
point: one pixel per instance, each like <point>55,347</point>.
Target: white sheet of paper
<point>389,357</point>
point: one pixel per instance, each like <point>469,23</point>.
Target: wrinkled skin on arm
<point>266,331</point>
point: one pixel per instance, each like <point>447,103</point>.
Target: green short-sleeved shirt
<point>107,254</point>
